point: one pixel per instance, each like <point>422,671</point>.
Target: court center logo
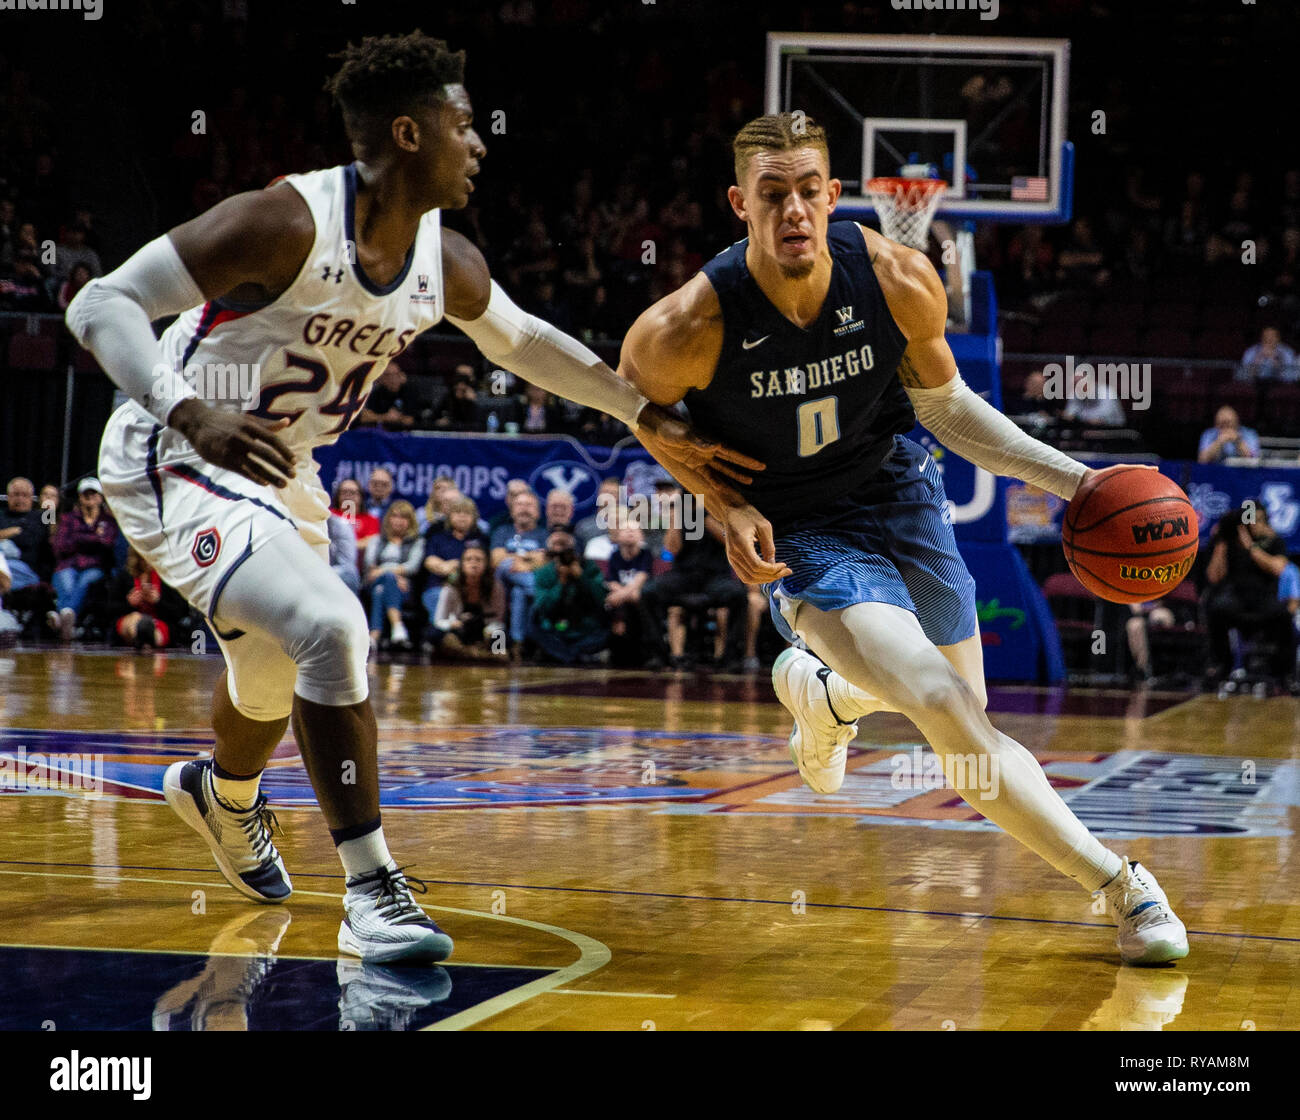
<point>206,548</point>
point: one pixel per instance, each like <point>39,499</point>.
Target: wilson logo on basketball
<point>1160,530</point>
<point>1161,573</point>
<point>206,547</point>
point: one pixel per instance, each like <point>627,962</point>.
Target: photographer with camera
<point>1246,559</point>
<point>568,619</point>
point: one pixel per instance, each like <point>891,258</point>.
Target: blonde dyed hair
<point>463,505</point>
<point>777,132</point>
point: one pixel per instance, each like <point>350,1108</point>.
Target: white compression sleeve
<point>964,422</point>
<point>549,358</point>
<point>111,318</point>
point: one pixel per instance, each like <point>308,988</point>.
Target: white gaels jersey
<point>313,353</point>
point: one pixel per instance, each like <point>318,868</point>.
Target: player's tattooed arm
<point>672,348</point>
<point>908,374</point>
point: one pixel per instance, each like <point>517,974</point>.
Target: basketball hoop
<point>906,207</point>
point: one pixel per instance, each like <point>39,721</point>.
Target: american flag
<point>1028,189</point>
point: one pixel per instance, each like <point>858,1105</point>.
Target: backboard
<point>987,114</point>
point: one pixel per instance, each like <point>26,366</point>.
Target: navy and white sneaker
<point>383,924</point>
<point>1149,930</point>
<point>240,839</point>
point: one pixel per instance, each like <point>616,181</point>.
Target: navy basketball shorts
<point>888,541</point>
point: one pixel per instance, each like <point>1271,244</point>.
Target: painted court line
<point>246,956</point>
<point>593,954</point>
<point>968,915</point>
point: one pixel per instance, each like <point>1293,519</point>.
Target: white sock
<point>366,854</point>
<point>883,646</point>
<point>1112,883</point>
<point>235,793</point>
<point>399,632</point>
<point>851,702</point>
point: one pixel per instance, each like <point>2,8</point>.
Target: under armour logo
<point>845,313</point>
<point>338,276</point>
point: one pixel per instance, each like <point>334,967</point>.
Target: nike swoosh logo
<point>747,345</point>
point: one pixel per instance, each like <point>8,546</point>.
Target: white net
<point>906,207</point>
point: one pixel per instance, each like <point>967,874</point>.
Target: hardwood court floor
<point>631,851</point>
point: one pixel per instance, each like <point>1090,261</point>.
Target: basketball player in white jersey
<point>316,282</point>
<point>862,565</point>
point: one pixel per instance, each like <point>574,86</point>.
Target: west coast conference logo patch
<point>848,324</point>
<point>206,548</point>
<point>422,293</point>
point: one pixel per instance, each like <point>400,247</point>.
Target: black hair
<point>386,76</point>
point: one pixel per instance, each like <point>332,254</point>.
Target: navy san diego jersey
<point>820,405</point>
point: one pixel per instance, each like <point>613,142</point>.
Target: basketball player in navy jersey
<point>822,345</point>
<point>316,282</point>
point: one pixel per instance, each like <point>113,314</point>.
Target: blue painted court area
<point>79,989</point>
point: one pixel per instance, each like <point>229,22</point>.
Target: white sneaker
<point>67,624</point>
<point>382,923</point>
<point>1149,930</point>
<point>819,743</point>
<point>399,637</point>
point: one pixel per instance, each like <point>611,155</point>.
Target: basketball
<point>1130,535</point>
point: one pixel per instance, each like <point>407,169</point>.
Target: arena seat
<point>1241,395</point>
<point>32,351</point>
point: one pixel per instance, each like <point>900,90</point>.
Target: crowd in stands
<point>1236,620</point>
<point>49,247</point>
<point>642,583</point>
<point>479,399</point>
<point>536,583</point>
<point>1171,255</point>
<point>67,572</point>
<point>1232,230</point>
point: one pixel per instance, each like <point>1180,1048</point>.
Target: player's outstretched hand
<point>677,440</point>
<point>750,546</point>
<point>237,441</point>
